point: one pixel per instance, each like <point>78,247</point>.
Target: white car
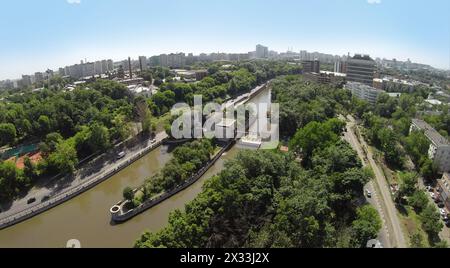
<point>443,212</point>
<point>433,195</point>
<point>121,155</point>
<point>368,193</point>
<point>429,188</point>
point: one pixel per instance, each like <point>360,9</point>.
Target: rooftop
<point>362,57</point>
<point>431,133</point>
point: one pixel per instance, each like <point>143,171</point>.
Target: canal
<point>87,218</point>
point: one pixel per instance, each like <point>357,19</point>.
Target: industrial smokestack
<point>129,67</point>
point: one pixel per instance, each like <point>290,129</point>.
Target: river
<point>87,218</point>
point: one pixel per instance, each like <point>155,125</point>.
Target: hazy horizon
<point>56,33</point>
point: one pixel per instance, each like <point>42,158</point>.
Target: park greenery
<point>309,197</point>
<point>187,160</point>
<point>387,127</point>
<point>302,102</point>
<point>220,85</point>
<point>68,125</point>
<point>267,199</point>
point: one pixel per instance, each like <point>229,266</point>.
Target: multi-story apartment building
<point>439,150</point>
<point>98,67</point>
<point>361,69</point>
<point>26,81</point>
<point>172,60</point>
<point>262,52</point>
<point>311,66</point>
<point>142,63</point>
<point>88,69</point>
<point>340,66</point>
<point>364,92</point>
<point>38,77</point>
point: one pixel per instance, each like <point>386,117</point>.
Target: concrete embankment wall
<point>153,202</point>
<point>64,196</point>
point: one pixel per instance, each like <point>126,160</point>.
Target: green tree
<point>9,177</point>
<point>144,115</point>
<point>431,221</point>
<point>7,133</point>
<point>418,200</point>
<point>408,183</point>
<point>441,244</point>
<point>417,240</point>
<point>388,141</point>
<point>30,170</point>
<point>367,224</point>
<point>313,136</point>
<point>128,193</point>
<point>64,159</point>
<point>121,128</point>
<point>428,169</point>
<point>417,145</point>
<point>50,142</point>
<point>147,76</point>
<point>99,139</point>
<point>44,124</point>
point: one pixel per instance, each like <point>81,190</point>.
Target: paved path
<point>91,171</point>
<point>385,203</point>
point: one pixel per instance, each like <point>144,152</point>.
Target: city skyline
<point>69,30</point>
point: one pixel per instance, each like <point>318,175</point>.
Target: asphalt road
<point>382,194</point>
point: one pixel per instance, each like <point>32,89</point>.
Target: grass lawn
<point>411,225</point>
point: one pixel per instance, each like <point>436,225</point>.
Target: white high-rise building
<point>262,52</point>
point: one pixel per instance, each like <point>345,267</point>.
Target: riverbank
<point>79,185</point>
<point>117,214</point>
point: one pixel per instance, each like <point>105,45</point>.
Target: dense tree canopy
<point>266,199</point>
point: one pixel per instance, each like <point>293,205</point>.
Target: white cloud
<point>74,2</point>
<point>374,2</point>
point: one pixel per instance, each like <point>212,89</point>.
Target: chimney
<point>129,67</point>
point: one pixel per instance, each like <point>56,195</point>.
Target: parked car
<point>433,195</point>
<point>429,188</point>
<point>440,204</point>
<point>368,193</point>
<point>31,200</point>
<point>443,212</point>
<point>153,141</point>
<point>45,198</point>
<point>121,155</point>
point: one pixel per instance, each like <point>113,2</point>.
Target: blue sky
<point>40,34</point>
